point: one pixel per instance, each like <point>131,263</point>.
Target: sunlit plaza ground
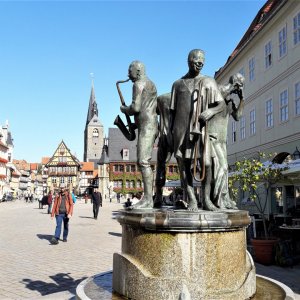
<point>30,267</point>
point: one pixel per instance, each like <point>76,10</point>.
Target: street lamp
<point>296,154</point>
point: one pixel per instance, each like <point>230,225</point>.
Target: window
<point>127,184</point>
<point>131,184</point>
<point>120,183</point>
<point>125,154</point>
<point>70,179</point>
<point>233,132</point>
<point>251,69</point>
<point>269,113</point>
<point>170,169</point>
<point>268,55</point>
<point>243,127</point>
<point>138,184</point>
<point>242,71</point>
<point>282,42</point>
<point>252,122</point>
<point>95,133</point>
<point>296,28</point>
<point>133,169</point>
<point>127,168</point>
<point>118,168</point>
<point>53,179</point>
<point>62,179</point>
<point>284,111</point>
<point>115,184</point>
<point>297,98</point>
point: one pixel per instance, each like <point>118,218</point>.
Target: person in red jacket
<point>62,210</point>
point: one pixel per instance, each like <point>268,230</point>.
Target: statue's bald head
<point>195,62</point>
<point>136,70</point>
<point>196,54</point>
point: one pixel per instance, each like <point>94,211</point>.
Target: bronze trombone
<point>129,129</point>
<point>196,130</point>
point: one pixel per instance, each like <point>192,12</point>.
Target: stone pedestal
<point>175,254</point>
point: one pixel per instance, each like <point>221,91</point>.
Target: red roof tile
<point>87,166</point>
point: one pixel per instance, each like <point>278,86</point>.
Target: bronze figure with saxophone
<point>143,108</point>
<point>129,130</point>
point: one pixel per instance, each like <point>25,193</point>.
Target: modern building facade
<point>268,55</point>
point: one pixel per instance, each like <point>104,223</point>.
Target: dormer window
<point>125,154</point>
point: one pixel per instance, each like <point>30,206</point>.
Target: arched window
<point>95,132</point>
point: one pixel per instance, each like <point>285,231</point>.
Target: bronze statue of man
<point>212,151</point>
<point>164,149</point>
<point>185,93</point>
<point>143,108</point>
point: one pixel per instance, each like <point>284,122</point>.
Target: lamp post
<point>296,154</point>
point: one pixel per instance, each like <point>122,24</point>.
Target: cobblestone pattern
<point>32,268</point>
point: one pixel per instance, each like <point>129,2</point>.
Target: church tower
<point>93,133</point>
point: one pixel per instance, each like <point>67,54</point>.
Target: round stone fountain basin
<point>100,287</point>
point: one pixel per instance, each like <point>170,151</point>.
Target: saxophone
<point>129,129</point>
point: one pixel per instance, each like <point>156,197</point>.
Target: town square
<point>160,162</point>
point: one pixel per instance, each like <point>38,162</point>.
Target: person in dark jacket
<point>97,202</point>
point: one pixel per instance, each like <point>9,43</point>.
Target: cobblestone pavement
<point>32,268</point>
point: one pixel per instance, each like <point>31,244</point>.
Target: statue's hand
<point>206,115</point>
<point>123,108</point>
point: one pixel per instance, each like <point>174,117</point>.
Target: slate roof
<point>104,159</point>
<point>117,142</point>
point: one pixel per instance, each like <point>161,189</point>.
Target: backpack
<point>74,198</point>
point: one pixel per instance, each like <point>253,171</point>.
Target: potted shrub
<point>257,178</point>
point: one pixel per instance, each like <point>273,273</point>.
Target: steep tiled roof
<point>45,160</point>
<point>21,164</point>
<point>87,166</point>
<point>262,17</point>
<point>34,166</point>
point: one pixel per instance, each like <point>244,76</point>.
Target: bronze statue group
<point>192,127</point>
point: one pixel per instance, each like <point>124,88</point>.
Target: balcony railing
<point>62,173</point>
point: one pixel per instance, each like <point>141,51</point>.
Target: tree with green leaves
<point>257,176</point>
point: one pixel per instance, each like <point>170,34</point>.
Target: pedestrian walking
<point>73,196</point>
<point>97,202</point>
<point>62,210</point>
<point>50,199</point>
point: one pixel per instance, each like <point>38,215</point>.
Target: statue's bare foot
<point>230,204</point>
<point>146,202</point>
<point>193,206</point>
<point>209,206</point>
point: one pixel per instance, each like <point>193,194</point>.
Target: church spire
<point>92,110</point>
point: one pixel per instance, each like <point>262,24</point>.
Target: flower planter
<point>264,250</point>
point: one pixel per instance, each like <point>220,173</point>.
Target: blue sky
<point>49,48</point>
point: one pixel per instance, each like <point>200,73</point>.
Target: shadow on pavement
<point>62,282</point>
<point>115,233</point>
<point>44,236</point>
<point>85,217</point>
